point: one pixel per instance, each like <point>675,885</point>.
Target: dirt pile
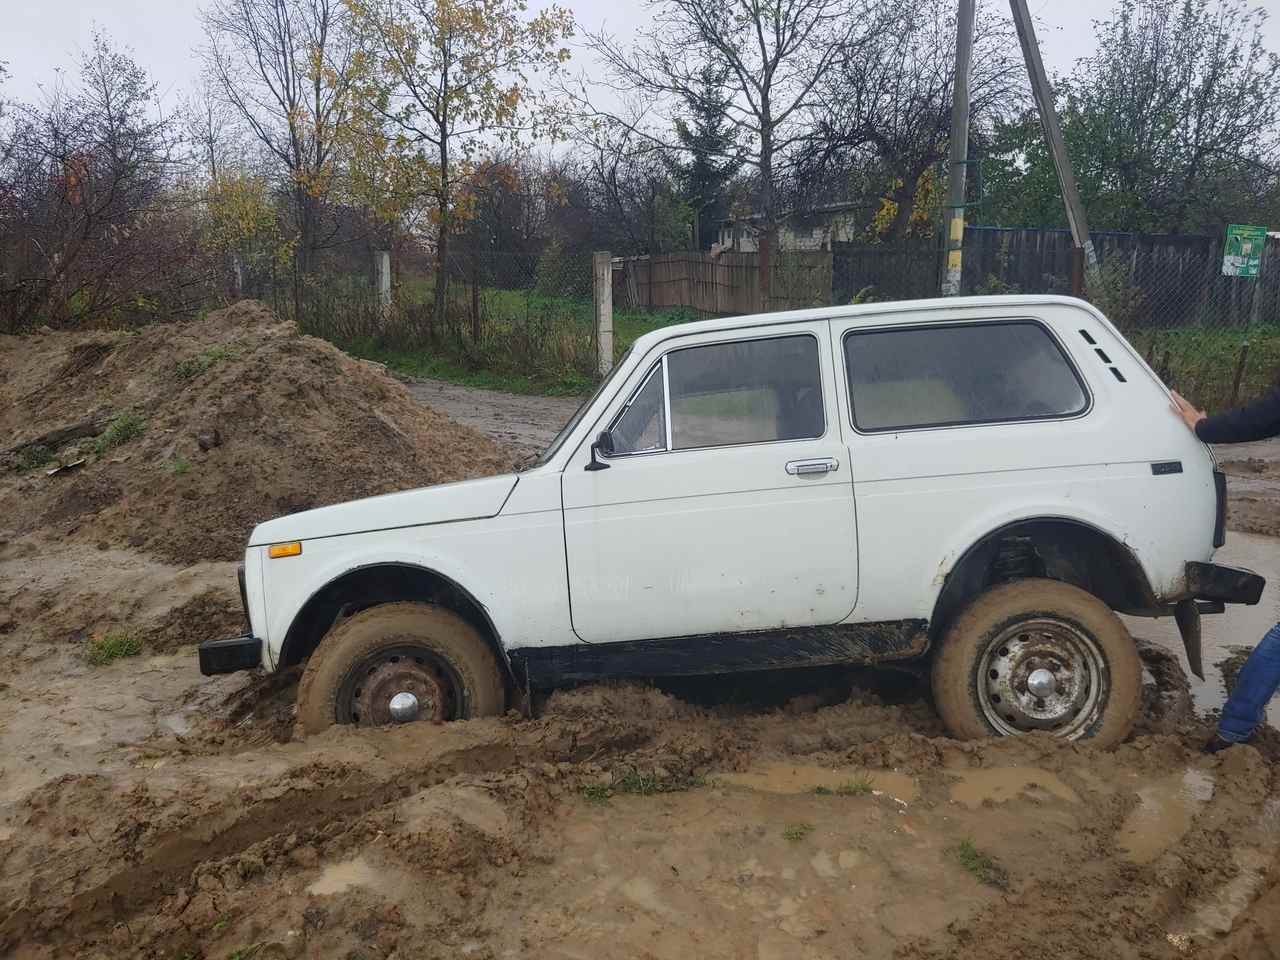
<point>192,433</point>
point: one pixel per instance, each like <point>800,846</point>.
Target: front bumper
<point>234,653</point>
<point>230,655</point>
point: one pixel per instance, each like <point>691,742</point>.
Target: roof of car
<point>870,311</point>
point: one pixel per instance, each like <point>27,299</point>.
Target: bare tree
<point>212,128</point>
<point>774,56</point>
<point>87,227</point>
<point>890,106</point>
<point>284,67</point>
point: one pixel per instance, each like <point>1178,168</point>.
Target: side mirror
<point>604,445</point>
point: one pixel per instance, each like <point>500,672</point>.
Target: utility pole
<point>959,149</point>
<point>1053,135</point>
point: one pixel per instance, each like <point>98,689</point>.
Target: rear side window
<point>961,374</point>
<point>724,394</point>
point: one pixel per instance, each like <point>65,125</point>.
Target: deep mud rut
<point>148,812</point>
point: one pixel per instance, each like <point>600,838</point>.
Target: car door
<point>727,504</point>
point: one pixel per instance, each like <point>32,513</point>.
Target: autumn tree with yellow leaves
<point>450,78</point>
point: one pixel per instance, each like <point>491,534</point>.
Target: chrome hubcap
<point>1042,675</point>
<point>404,707</point>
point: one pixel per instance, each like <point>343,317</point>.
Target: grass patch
<point>795,832</point>
<point>33,458</point>
<point>641,785</point>
<point>435,366</point>
<point>983,867</point>
<point>191,367</point>
<point>822,791</point>
<point>596,793</point>
<point>179,466</point>
<point>120,430</point>
<point>112,645</point>
<point>859,786</point>
<point>646,785</point>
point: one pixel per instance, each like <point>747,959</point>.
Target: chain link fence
<point>512,314</point>
<point>1215,338</point>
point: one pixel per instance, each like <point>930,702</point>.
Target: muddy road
<point>146,811</point>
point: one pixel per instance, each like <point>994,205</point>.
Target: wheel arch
<point>1057,548</point>
<point>375,583</point>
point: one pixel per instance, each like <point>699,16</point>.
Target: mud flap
<point>1187,614</point>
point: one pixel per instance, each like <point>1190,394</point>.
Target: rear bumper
<point>1209,587</point>
<point>230,655</point>
<point>1216,583</point>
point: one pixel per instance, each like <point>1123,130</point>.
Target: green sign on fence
<point>1242,256</point>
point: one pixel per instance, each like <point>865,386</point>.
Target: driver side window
<point>725,394</point>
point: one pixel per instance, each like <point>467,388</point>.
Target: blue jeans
<point>1255,686</point>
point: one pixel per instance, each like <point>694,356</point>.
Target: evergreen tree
<point>715,156</point>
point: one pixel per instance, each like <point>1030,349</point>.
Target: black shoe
<point>1217,744</point>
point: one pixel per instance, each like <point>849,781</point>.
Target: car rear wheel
<point>1038,655</point>
<point>397,663</point>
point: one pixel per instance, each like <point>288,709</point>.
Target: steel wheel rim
<point>1042,674</point>
<point>367,692</point>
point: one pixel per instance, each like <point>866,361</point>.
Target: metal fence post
<point>602,269</point>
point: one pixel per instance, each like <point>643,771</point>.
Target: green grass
<point>795,832</point>
<point>179,465</point>
<point>33,458</point>
<point>120,430</point>
<point>530,342</point>
<point>642,785</point>
<point>979,865</point>
<point>435,366</point>
<point>1201,362</point>
<point>112,645</point>
<point>859,786</point>
<point>596,793</point>
<point>190,367</point>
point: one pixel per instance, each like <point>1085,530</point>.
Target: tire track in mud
<point>307,799</point>
<point>328,781</point>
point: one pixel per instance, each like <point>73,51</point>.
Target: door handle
<point>806,468</point>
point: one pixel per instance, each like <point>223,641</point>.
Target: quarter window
<point>721,394</point>
<point>966,373</point>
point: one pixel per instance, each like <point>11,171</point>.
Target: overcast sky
<point>39,38</point>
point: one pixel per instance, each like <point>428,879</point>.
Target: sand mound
<point>192,433</point>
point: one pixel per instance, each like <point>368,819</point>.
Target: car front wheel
<point>1038,655</point>
<point>397,663</point>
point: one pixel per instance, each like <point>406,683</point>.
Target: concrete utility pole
<point>1053,134</point>
<point>959,149</point>
<point>602,271</point>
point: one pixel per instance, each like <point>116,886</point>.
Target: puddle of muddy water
<point>1164,813</point>
<point>790,778</point>
<point>999,784</point>
<point>1239,626</point>
<point>338,877</point>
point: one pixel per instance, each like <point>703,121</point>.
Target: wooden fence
<point>727,283</point>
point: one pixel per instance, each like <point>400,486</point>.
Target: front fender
<point>290,583</point>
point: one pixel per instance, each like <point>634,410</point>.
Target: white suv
<point>980,482</point>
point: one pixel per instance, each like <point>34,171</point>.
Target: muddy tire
<point>381,654</point>
<point>1038,655</point>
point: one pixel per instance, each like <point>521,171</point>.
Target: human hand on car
<point>1186,410</point>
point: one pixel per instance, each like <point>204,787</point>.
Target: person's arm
<point>1255,421</point>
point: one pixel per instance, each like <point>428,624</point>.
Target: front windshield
<point>580,412</point>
